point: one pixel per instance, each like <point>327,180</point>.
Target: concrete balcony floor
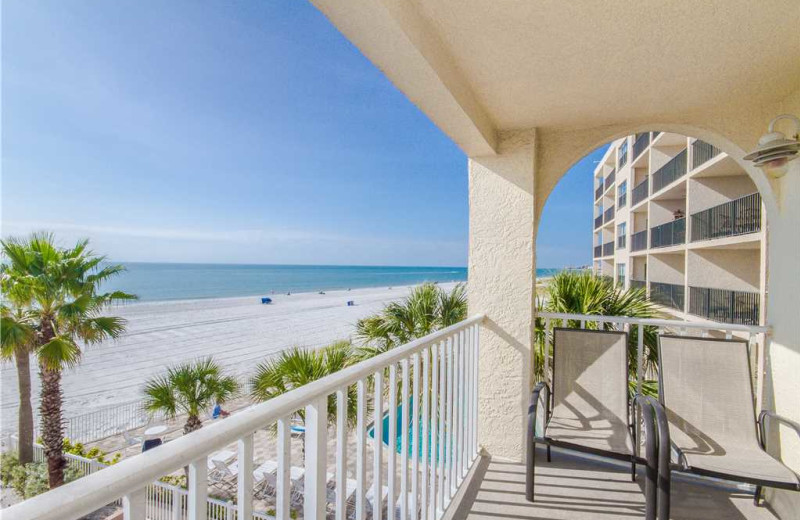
<point>576,487</point>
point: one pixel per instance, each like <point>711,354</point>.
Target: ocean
<point>168,281</point>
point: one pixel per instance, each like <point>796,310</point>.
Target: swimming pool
<point>399,437</point>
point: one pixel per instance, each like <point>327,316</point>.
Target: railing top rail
<point>655,322</point>
<point>81,497</point>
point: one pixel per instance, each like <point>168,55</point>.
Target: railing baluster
<point>450,434</point>
<point>361,451</point>
<point>456,466</point>
<point>434,460</point>
<point>198,489</point>
<point>392,462</point>
<point>377,448</point>
<point>461,407</point>
<point>476,372</point>
<point>341,453</point>
<point>404,444</point>
<point>415,438</point>
<point>546,351</point>
<point>282,496</point>
<point>316,442</point>
<point>133,505</point>
<point>442,414</point>
<point>244,481</point>
<point>177,504</point>
<point>425,444</point>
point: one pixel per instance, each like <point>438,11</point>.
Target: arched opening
<point>674,214</point>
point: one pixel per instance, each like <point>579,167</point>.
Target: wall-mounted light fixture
<point>775,150</point>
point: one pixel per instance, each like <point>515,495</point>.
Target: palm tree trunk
<point>52,427</point>
<point>25,425</point>
<point>193,423</point>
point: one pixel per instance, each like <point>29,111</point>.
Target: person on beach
<point>219,412</point>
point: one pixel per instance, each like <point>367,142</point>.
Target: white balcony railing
<point>437,377</point>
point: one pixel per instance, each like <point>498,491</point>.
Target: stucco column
<point>501,286</point>
<point>782,392</point>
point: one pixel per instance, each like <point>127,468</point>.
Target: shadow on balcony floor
<point>576,488</point>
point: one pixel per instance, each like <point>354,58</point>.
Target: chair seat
<point>740,463</point>
<point>601,433</point>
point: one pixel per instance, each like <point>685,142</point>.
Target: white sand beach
<point>238,332</point>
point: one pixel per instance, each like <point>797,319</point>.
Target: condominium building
<point>680,218</point>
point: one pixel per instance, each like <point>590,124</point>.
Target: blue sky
<point>244,132</point>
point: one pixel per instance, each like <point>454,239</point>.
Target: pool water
<point>399,439</point>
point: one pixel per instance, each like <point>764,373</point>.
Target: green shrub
<point>94,453</point>
<point>31,479</point>
<point>8,461</point>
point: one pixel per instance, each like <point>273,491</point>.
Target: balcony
<point>668,295</point>
<point>737,217</point>
<point>640,192</point>
<point>725,306</point>
<point>621,241</point>
<point>670,172</point>
<point>609,180</point>
<point>608,215</point>
<point>639,241</point>
<point>608,248</point>
<point>599,191</point>
<point>598,251</point>
<point>703,152</point>
<point>638,284</point>
<point>669,234</point>
<point>598,221</point>
<point>640,144</point>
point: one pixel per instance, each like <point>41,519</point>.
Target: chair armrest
<point>533,406</point>
<point>657,450</point>
<point>768,414</point>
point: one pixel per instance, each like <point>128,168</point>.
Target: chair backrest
<point>706,388</point>
<point>222,468</point>
<point>590,373</point>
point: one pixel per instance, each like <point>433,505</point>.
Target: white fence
<point>436,376</point>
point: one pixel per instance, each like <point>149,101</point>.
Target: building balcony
<point>599,191</point>
<point>670,172</point>
<point>668,295</point>
<point>608,215</point>
<point>609,180</point>
<point>639,241</point>
<point>669,234</point>
<point>641,191</point>
<point>608,248</point>
<point>640,144</point>
<point>703,152</point>
<point>598,221</point>
<point>737,217</point>
<point>725,306</point>
<point>598,251</point>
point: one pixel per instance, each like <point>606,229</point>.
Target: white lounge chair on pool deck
<point>130,440</point>
<point>223,475</point>
<point>707,397</point>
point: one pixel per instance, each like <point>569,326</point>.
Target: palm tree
<point>64,304</point>
<point>190,388</point>
<point>299,366</point>
<point>584,293</point>
<point>428,308</point>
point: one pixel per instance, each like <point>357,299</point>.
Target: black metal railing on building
<point>640,192</point>
<point>608,248</point>
<point>598,221</point>
<point>598,251</point>
<point>703,152</point>
<point>670,172</point>
<point>669,234</point>
<point>622,241</point>
<point>598,192</point>
<point>667,294</point>
<point>640,144</point>
<point>622,199</point>
<point>608,214</point>
<point>639,241</point>
<point>638,284</point>
<point>609,180</point>
<point>725,306</point>
<point>737,217</point>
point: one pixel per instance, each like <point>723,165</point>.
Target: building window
<point>621,274</point>
<point>622,194</point>
<point>622,235</point>
<point>623,154</point>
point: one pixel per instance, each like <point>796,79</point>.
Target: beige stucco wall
<point>501,285</point>
<point>707,192</point>
<point>732,269</point>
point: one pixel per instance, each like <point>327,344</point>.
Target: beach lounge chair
<point>707,394</point>
<point>223,476</point>
<point>265,478</point>
<point>591,410</point>
<point>130,440</point>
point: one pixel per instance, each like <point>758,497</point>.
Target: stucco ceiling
<point>512,64</point>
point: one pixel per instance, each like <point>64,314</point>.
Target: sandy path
<point>238,332</point>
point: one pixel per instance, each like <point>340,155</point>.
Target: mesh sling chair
<point>591,410</point>
<point>706,391</point>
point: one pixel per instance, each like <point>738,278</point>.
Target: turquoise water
<point>162,281</point>
<point>385,433</point>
